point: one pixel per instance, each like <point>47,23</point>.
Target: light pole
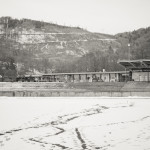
<point>3,73</point>
<point>129,51</point>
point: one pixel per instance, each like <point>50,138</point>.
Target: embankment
<point>48,89</point>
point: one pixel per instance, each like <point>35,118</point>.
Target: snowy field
<point>74,123</point>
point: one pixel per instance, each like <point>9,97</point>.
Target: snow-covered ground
<point>74,123</point>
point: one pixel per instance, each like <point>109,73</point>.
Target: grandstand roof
<point>141,64</point>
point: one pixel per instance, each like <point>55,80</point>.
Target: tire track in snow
<point>64,119</point>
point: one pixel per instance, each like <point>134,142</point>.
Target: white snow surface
<point>74,123</point>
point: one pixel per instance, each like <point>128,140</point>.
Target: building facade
<point>119,76</point>
<point>140,69</point>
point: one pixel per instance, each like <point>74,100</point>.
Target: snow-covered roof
<point>87,73</point>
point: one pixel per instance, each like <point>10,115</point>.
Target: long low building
<point>117,76</point>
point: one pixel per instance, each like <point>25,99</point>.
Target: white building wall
<point>76,78</point>
<point>105,77</point>
<point>83,78</point>
<point>114,77</point>
<point>90,77</point>
<point>141,76</point>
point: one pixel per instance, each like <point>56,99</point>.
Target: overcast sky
<point>104,16</point>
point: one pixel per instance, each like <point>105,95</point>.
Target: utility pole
<point>129,50</point>
<point>6,27</point>
<point>129,45</point>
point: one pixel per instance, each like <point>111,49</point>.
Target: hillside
<point>40,47</point>
<point>139,44</point>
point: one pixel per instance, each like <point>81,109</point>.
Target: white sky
<point>104,16</point>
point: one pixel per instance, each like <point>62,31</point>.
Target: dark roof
<point>136,64</point>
